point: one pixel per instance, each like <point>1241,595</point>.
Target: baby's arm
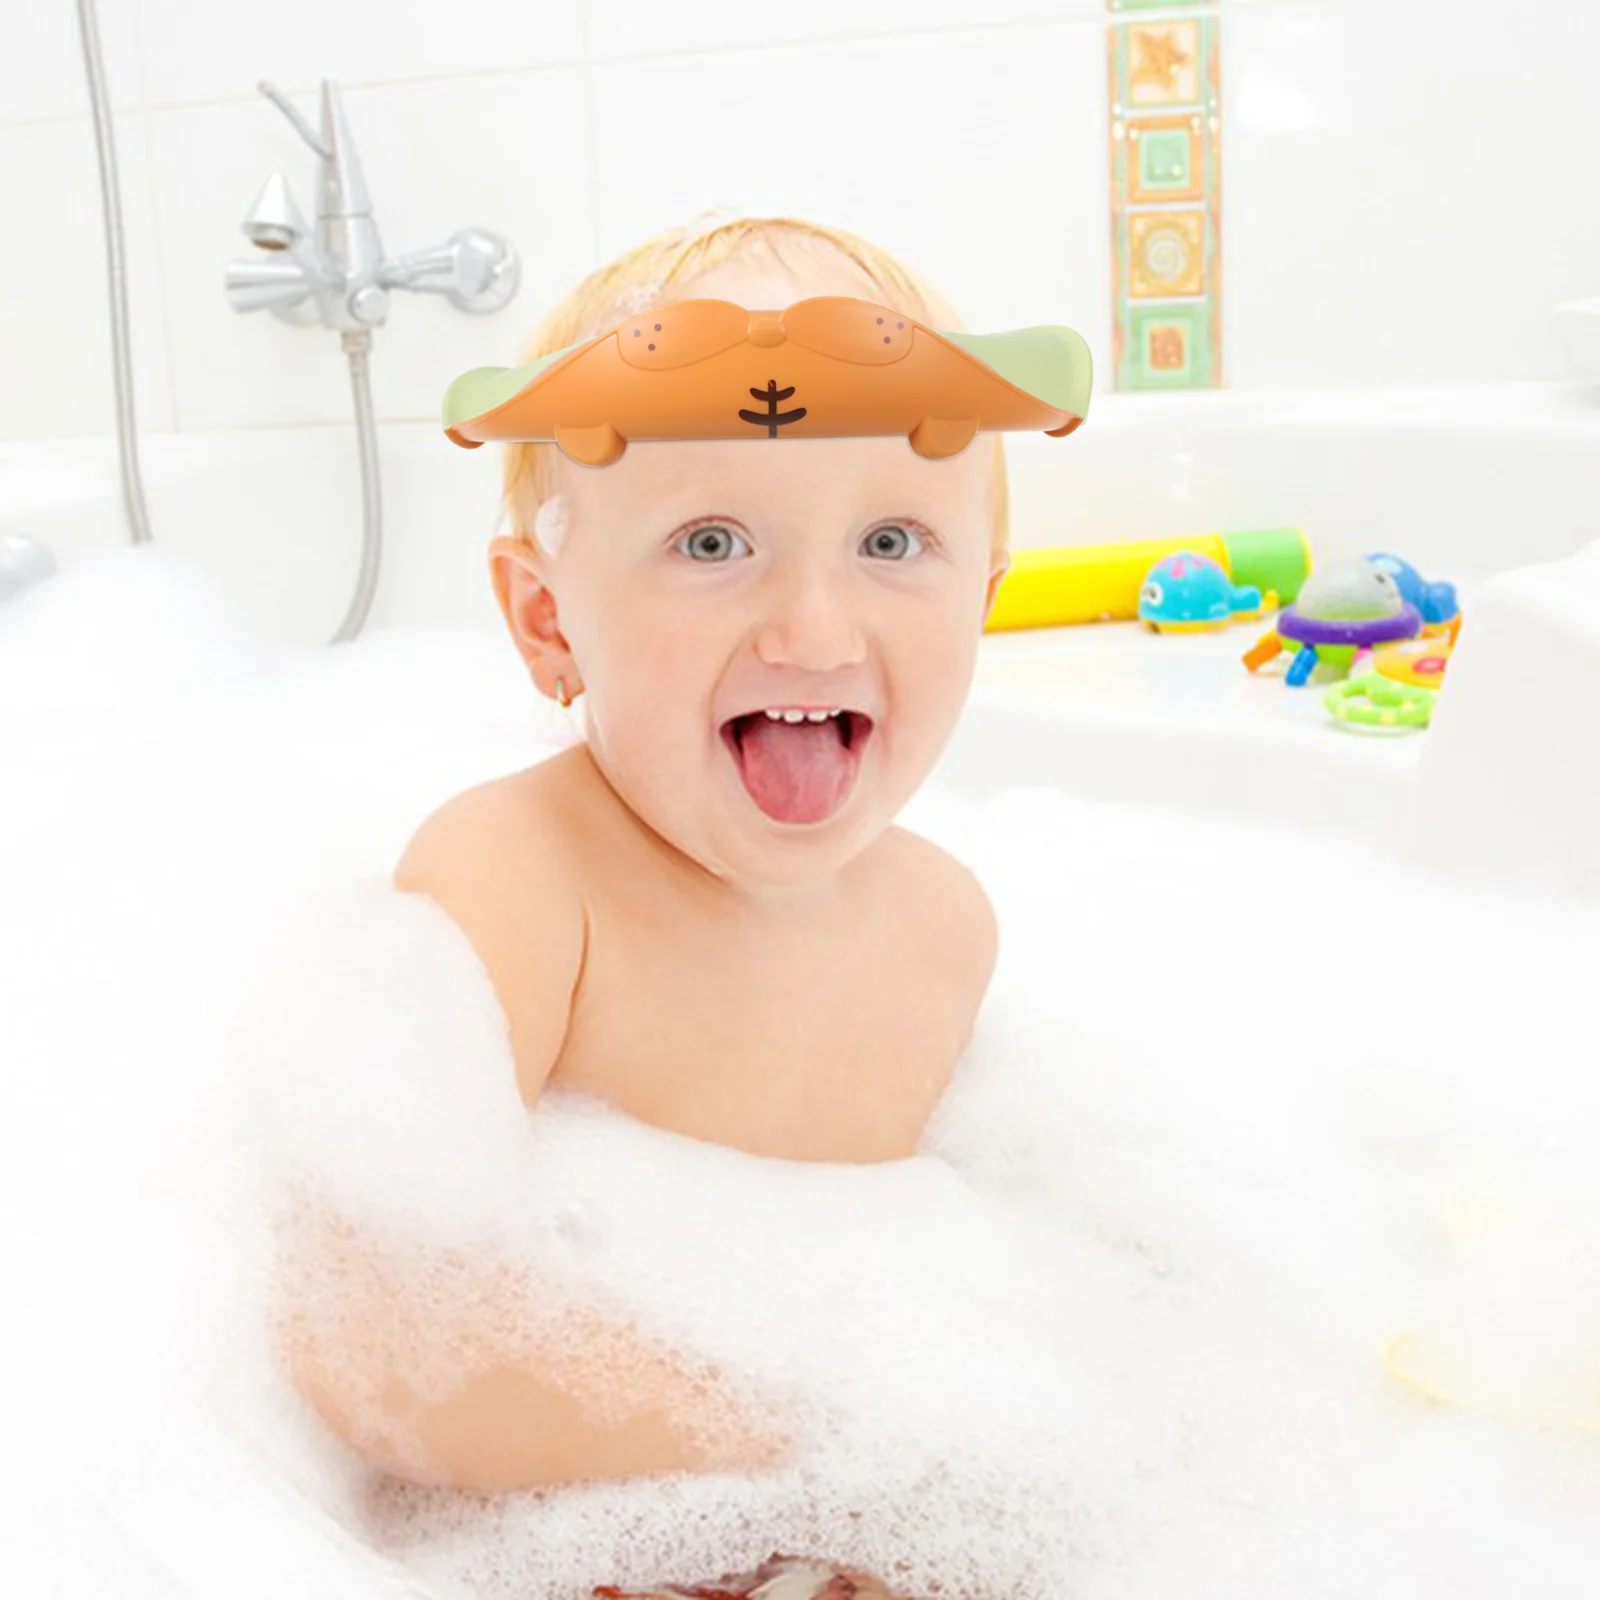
<point>509,1413</point>
<point>439,1363</point>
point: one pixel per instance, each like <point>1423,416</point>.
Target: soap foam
<point>1241,1105</point>
<point>550,525</point>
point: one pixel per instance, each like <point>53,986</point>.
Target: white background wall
<point>1407,185</point>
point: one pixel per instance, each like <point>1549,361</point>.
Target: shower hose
<point>357,348</point>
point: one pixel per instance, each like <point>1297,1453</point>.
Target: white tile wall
<point>55,320</point>
<point>41,58</point>
<point>1404,193</point>
<point>219,50</point>
<point>437,156</point>
<point>938,146</point>
<point>1405,189</point>
<point>622,28</point>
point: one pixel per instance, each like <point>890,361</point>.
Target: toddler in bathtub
<point>769,649</point>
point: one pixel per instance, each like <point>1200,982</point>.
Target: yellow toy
<point>1406,1362</point>
<point>1422,661</point>
<point>1474,1354</point>
<point>1102,583</point>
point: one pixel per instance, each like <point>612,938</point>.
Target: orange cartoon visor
<point>823,368</point>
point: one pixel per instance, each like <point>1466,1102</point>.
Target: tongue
<point>795,771</point>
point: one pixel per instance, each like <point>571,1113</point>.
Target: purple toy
<point>1339,615</point>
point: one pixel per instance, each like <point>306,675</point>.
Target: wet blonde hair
<point>656,272</point>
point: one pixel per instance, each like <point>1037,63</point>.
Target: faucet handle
<point>479,271</point>
<point>298,122</point>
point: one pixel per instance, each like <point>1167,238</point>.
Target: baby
<point>703,913</point>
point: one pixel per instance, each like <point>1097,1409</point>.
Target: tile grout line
<point>584,60</point>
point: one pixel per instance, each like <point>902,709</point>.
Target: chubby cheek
<point>651,718</point>
<point>632,651</point>
<point>672,675</point>
<point>932,674</point>
<point>652,685</point>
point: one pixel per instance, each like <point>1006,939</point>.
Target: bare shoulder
<point>494,859</point>
<point>951,904</point>
<point>477,840</point>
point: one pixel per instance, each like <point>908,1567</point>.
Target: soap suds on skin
<point>550,525</point>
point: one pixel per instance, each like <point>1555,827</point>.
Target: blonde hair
<point>650,275</point>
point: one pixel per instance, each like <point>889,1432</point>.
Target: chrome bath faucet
<point>338,275</point>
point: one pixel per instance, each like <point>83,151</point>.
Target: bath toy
<point>1398,694</point>
<point>1435,602</point>
<point>1530,1367</point>
<point>1190,593</point>
<point>821,368</point>
<point>1373,701</point>
<point>1342,612</point>
<point>1421,662</point>
<point>1408,1364</point>
<point>1062,584</point>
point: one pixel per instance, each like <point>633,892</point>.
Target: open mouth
<point>798,771</point>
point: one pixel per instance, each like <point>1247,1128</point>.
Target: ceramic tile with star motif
<point>1163,63</point>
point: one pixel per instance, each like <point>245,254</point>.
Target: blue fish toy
<point>1435,602</point>
<point>1191,593</point>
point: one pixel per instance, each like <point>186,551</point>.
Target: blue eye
<point>712,541</point>
<point>893,542</point>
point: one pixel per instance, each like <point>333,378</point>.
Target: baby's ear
<point>525,600</point>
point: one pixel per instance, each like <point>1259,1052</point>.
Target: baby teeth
<point>799,716</point>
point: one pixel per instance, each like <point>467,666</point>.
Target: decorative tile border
<point>1166,195</point>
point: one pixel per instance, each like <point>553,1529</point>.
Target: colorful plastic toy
<point>1399,693</point>
<point>1435,602</point>
<point>1373,701</point>
<point>1421,662</point>
<point>1414,1365</point>
<point>1190,593</point>
<point>822,368</point>
<point>1066,584</point>
<point>1343,611</point>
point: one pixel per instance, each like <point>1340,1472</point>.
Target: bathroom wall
<point>1405,198</point>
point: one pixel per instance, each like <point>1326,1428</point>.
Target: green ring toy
<point>1374,701</point>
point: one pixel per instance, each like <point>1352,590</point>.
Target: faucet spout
<point>260,283</point>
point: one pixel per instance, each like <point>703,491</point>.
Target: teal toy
<point>1191,593</point>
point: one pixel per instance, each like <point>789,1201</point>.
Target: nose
<point>810,624</point>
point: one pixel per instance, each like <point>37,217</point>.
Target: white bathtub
<point>1470,485</point>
